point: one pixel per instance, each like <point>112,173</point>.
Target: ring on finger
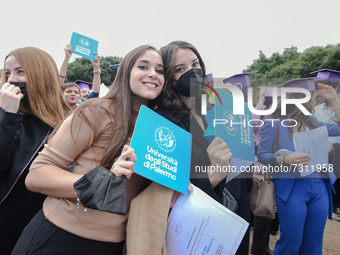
<point>125,157</point>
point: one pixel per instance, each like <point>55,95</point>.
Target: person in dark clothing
<point>182,62</point>
<point>31,105</point>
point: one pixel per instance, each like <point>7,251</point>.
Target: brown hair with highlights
<point>42,84</point>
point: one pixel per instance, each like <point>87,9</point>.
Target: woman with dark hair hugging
<point>150,209</point>
<point>177,103</point>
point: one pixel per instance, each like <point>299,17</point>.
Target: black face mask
<point>22,86</point>
<point>193,77</point>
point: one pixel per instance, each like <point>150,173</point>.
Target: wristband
<point>97,72</point>
<point>283,160</point>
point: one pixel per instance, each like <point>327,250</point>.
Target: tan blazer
<point>147,221</point>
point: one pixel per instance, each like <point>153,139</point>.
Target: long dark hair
<point>169,99</point>
<point>293,112</point>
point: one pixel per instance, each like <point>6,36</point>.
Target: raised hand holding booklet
<point>84,46</point>
<point>163,150</point>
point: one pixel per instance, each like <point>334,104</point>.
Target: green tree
<point>280,68</point>
<point>293,64</point>
<point>82,69</point>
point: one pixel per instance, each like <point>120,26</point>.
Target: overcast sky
<point>228,34</point>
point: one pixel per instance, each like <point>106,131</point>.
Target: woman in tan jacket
<point>98,132</point>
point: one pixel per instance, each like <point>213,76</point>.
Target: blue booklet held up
<point>236,131</point>
<point>83,45</point>
<point>163,150</point>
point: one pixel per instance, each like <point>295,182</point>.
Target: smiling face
<point>186,59</point>
<point>14,70</point>
<point>146,77</point>
<point>71,95</point>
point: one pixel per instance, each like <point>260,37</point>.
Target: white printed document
<point>314,143</point>
<point>200,225</point>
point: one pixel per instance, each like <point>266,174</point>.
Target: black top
<point>22,136</point>
<point>199,156</point>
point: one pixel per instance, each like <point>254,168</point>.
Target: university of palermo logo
<point>165,139</point>
<point>84,42</point>
<point>231,129</point>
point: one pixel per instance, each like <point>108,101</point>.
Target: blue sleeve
<point>333,128</point>
<point>267,142</point>
<point>93,95</point>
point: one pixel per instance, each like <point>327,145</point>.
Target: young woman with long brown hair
<point>97,132</point>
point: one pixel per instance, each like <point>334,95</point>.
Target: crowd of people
<point>54,133</point>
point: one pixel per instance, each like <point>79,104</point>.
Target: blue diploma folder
<point>84,46</point>
<point>236,131</point>
<point>163,150</point>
